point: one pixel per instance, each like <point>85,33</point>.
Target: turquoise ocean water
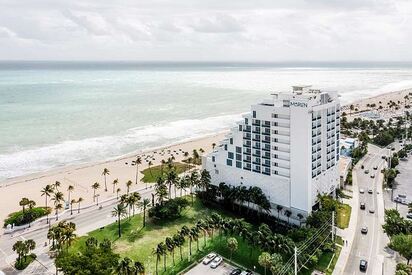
<point>54,114</point>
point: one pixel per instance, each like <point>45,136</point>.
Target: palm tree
<point>95,186</point>
<point>279,208</point>
<point>164,249</point>
<point>213,145</point>
<point>47,191</point>
<point>78,204</point>
<point>232,245</point>
<point>117,192</point>
<point>171,178</point>
<point>57,198</point>
<point>160,190</point>
<point>288,213</point>
<point>194,178</point>
<point>159,251</point>
<point>170,245</point>
<point>137,198</point>
<point>125,266</point>
<point>71,206</point>
<point>105,173</point>
<point>139,267</point>
<point>128,184</point>
<point>56,185</point>
<point>179,241</point>
<point>145,203</point>
<point>119,211</point>
<point>115,182</point>
<point>265,260</point>
<point>19,247</point>
<point>137,162</point>
<point>193,236</point>
<point>23,203</point>
<point>69,190</point>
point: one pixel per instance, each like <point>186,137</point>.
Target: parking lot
<point>202,269</point>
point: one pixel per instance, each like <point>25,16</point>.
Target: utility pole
<point>333,226</point>
<point>296,261</point>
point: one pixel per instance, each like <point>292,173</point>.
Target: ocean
<point>58,113</point>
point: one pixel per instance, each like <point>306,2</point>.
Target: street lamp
<point>97,198</point>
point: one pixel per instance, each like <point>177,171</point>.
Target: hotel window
<point>275,164</point>
<point>275,156</point>
<point>229,162</point>
<point>274,115</point>
<point>246,120</point>
<point>275,132</point>
<point>238,164</point>
<point>275,172</point>
<point>274,124</point>
<point>254,114</point>
<point>238,149</point>
<point>226,147</point>
<point>238,157</point>
<point>230,155</point>
<point>231,140</point>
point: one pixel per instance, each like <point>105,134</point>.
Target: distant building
<point>347,145</point>
<point>287,146</point>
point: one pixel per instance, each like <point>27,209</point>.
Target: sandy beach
<point>83,176</point>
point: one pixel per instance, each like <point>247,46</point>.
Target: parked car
<point>370,191</point>
<point>363,265</point>
<point>209,258</point>
<point>236,271</point>
<point>409,215</point>
<point>371,210</point>
<point>216,262</point>
<point>361,191</point>
<point>364,230</point>
<point>362,205</point>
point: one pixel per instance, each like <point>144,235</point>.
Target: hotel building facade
<point>287,146</point>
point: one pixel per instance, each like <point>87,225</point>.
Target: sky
<point>206,30</point>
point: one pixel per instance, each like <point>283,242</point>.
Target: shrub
<point>20,265</point>
<point>169,210</point>
<point>29,215</point>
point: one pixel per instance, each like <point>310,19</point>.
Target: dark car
<point>362,205</point>
<point>236,271</point>
<point>363,265</point>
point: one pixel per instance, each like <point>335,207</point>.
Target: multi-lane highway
<point>370,246</point>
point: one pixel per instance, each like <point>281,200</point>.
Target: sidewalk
<point>348,234</point>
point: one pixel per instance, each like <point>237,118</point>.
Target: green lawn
<point>153,173</point>
<point>138,243</point>
<point>343,216</point>
<point>324,260</point>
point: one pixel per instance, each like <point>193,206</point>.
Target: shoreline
<point>82,176</point>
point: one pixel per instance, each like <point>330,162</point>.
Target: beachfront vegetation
<point>24,257</point>
<point>28,214</point>
<point>152,173</point>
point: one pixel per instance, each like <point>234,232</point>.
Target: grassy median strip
<point>153,173</point>
<point>343,216</point>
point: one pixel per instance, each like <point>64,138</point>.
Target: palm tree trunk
<point>181,255</point>
<point>144,216</point>
<point>78,208</point>
<point>137,171</point>
<point>47,219</point>
<point>157,263</point>
<point>118,224</point>
<point>164,262</point>
<point>105,185</point>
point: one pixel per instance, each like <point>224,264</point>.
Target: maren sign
<point>298,104</point>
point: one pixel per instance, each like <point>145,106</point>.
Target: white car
<point>361,191</point>
<point>216,262</point>
<point>370,191</point>
<point>209,258</point>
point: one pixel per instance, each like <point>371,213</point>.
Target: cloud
<point>261,30</point>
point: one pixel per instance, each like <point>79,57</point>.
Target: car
<point>370,191</point>
<point>375,167</point>
<point>383,157</point>
<point>393,149</point>
<point>216,262</point>
<point>361,191</point>
<point>366,171</point>
<point>364,230</point>
<point>363,265</point>
<point>372,176</point>
<point>409,215</point>
<point>371,210</point>
<point>397,199</point>
<point>209,258</point>
<point>236,271</point>
<point>362,205</point>
<point>247,272</point>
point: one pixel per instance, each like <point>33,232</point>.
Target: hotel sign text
<point>298,104</point>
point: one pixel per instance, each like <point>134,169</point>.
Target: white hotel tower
<point>288,146</point>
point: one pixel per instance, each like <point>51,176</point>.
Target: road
<point>85,221</point>
<point>369,246</point>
